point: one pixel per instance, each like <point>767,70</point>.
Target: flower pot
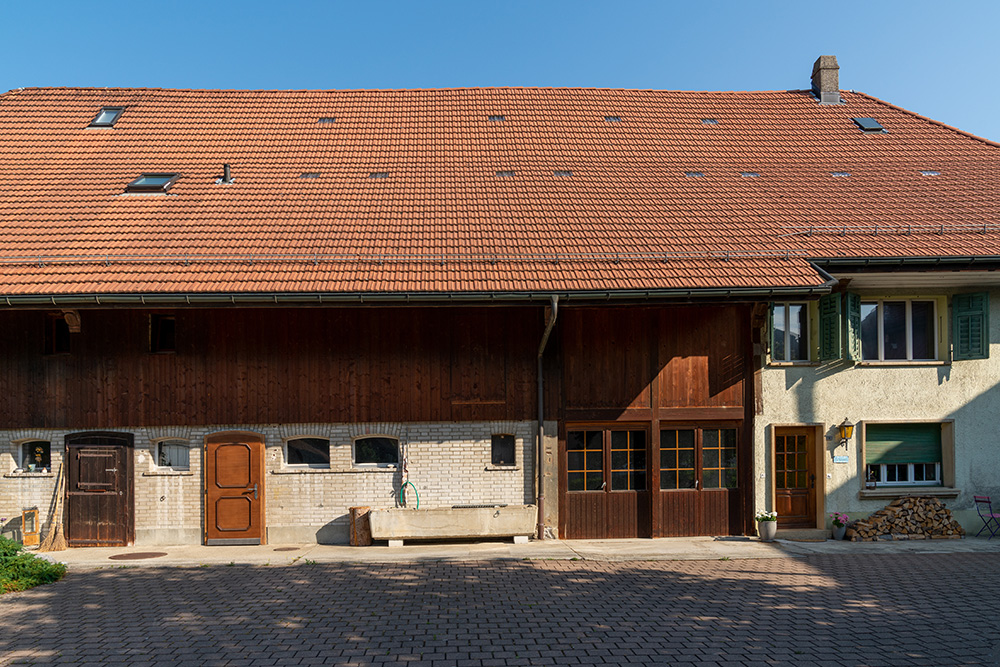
<point>767,530</point>
<point>839,532</point>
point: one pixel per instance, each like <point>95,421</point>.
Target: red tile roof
<point>443,221</point>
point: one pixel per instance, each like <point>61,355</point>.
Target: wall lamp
<point>846,430</point>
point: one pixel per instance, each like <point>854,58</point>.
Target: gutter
<point>928,261</point>
<point>539,453</point>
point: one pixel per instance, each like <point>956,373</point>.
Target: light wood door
<point>795,477</point>
<point>234,489</point>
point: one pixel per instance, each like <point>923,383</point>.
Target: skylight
<point>749,174</point>
<point>840,174</point>
<point>496,119</point>
<point>694,174</point>
<point>327,119</point>
<point>505,174</point>
<point>613,119</point>
<point>379,174</point>
<point>107,117</point>
<point>929,172</point>
<point>309,174</point>
<point>563,174</point>
<point>869,125</point>
<point>152,183</point>
<point>709,121</point>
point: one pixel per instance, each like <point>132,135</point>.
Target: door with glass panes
<point>699,492</point>
<point>605,492</point>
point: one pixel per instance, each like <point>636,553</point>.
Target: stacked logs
<point>911,518</point>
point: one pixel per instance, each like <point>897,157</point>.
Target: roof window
<point>496,119</point>
<point>152,183</point>
<point>326,120</point>
<point>613,119</point>
<point>563,174</point>
<point>309,174</point>
<point>840,174</point>
<point>869,125</point>
<point>749,174</point>
<point>107,117</point>
<point>709,121</point>
<point>506,174</point>
<point>929,172</point>
<point>694,174</point>
<point>379,174</point>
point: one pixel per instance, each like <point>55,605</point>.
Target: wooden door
<point>699,479</point>
<point>795,477</point>
<point>604,479</point>
<point>234,489</point>
<point>99,490</point>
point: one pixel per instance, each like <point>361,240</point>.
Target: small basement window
<point>173,454</point>
<point>152,183</point>
<point>376,451</point>
<point>36,455</point>
<point>869,125</point>
<point>308,452</point>
<point>502,451</point>
<point>55,338</point>
<point>107,117</point>
<point>162,333</point>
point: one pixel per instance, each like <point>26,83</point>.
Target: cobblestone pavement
<point>893,609</point>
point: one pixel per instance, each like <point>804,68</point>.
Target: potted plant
<point>767,525</point>
<point>840,521</point>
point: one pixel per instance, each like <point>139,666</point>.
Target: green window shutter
<point>902,443</point>
<point>970,326</point>
<point>770,328</point>
<point>829,327</point>
<point>853,326</point>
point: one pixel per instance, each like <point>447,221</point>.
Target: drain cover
<point>139,555</point>
<point>287,549</point>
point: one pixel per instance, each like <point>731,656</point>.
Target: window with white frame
<point>36,455</point>
<point>377,451</point>
<point>790,332</point>
<point>307,452</point>
<point>173,454</point>
<point>903,454</point>
<point>898,330</point>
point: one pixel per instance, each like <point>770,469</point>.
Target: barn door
<point>99,498</point>
<point>234,489</point>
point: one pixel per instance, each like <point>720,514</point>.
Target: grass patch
<point>19,570</point>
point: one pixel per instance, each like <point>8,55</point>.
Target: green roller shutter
<point>902,443</point>
<point>970,325</point>
<point>829,327</point>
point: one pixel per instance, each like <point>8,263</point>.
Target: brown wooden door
<point>234,489</point>
<point>605,482</point>
<point>699,475</point>
<point>99,498</point>
<point>795,477</point>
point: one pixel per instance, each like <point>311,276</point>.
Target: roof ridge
<point>984,140</point>
<point>397,90</point>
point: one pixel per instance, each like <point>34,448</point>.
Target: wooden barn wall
<point>249,366</point>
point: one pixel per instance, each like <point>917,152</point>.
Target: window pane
<point>36,453</point>
<point>710,479</point>
<point>778,324</point>
<point>619,481</point>
<point>685,479</point>
<point>685,439</point>
<point>595,481</point>
<point>710,458</point>
<point>923,329</point>
<point>381,451</point>
<point>685,458</point>
<point>668,479</point>
<point>574,440</point>
<point>869,331</point>
<point>309,451</point>
<point>619,460</point>
<point>502,450</point>
<point>798,337</point>
<point>894,329</point>
<point>638,480</point>
<point>574,460</point>
<point>174,455</point>
<point>575,481</point>
<point>595,461</point>
<point>668,459</point>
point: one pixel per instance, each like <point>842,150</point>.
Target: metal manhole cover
<point>139,555</point>
<point>287,549</point>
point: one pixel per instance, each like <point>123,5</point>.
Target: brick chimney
<point>826,80</point>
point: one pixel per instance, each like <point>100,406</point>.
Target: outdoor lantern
<point>29,526</point>
<point>846,430</point>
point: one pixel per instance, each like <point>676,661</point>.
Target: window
<point>152,183</point>
<point>709,121</point>
<point>496,119</point>
<point>560,173</point>
<point>505,174</point>
<point>749,174</point>
<point>309,175</point>
<point>869,125</point>
<point>595,456</point>
<point>107,117</point>
<point>378,174</point>
<point>36,455</point>
<point>694,174</point>
<point>308,452</point>
<point>585,460</point>
<point>613,119</point>
<point>326,120</point>
<point>790,332</point>
<point>693,458</point>
<point>376,451</point>
<point>903,454</point>
<point>174,454</point>
<point>502,451</point>
<point>898,330</point>
<point>56,335</point>
<point>162,333</point>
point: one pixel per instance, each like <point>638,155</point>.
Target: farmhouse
<point>231,316</point>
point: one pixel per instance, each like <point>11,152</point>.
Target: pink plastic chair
<point>991,519</point>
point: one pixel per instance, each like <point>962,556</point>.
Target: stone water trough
<point>439,523</point>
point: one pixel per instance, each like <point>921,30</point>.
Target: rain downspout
<point>539,453</point>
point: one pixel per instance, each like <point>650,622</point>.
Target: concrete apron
<point>674,548</point>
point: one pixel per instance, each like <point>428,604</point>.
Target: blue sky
<point>936,59</point>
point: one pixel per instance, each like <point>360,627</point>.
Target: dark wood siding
<point>275,366</point>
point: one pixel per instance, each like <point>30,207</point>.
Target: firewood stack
<point>907,519</point>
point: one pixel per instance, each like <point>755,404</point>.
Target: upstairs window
<point>162,333</point>
<point>173,454</point>
<point>153,182</point>
<point>502,452</point>
<point>36,455</point>
<point>308,452</point>
<point>107,117</point>
<point>56,335</point>
<point>902,330</point>
<point>790,332</point>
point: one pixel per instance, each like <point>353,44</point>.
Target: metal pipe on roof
<point>539,448</point>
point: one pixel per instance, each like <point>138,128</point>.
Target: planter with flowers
<point>767,525</point>
<point>840,521</point>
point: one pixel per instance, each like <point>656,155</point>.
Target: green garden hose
<point>403,488</point>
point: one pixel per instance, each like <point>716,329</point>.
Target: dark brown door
<point>699,474</point>
<point>795,477</point>
<point>605,482</point>
<point>234,489</point>
<point>99,507</point>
